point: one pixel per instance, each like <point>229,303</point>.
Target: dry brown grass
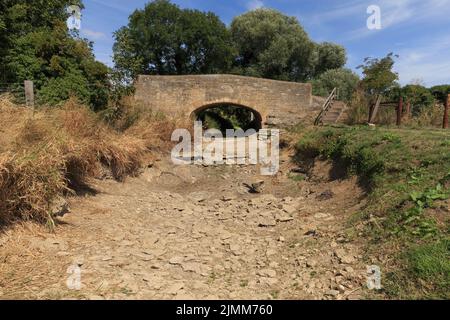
<point>358,113</point>
<point>50,152</point>
<point>154,128</point>
<point>429,117</point>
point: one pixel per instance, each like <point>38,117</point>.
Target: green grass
<point>425,273</point>
<point>296,177</point>
<point>405,173</point>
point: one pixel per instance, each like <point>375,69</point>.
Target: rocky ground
<point>194,232</point>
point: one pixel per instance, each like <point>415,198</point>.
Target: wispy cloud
<point>125,8</point>
<point>393,13</point>
<point>94,35</point>
<point>255,4</point>
<point>429,62</point>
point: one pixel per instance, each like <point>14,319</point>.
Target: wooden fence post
<point>408,110</point>
<point>400,111</point>
<point>29,93</point>
<point>374,110</point>
<point>446,111</point>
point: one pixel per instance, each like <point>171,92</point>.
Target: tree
<point>379,77</point>
<point>164,39</point>
<point>272,45</point>
<point>344,79</point>
<point>329,56</point>
<point>38,46</point>
<point>440,92</point>
<point>418,96</point>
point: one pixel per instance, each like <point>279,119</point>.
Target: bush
<point>418,96</point>
<point>58,90</point>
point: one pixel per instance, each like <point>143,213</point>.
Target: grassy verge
<point>49,153</point>
<point>407,177</point>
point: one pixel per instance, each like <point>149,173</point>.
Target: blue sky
<point>417,30</point>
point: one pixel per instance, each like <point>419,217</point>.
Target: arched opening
<point>223,116</point>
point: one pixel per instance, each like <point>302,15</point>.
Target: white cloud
<point>255,4</point>
<point>393,13</point>
<point>429,61</point>
<point>94,35</point>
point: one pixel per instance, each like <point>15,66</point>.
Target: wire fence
<point>16,90</point>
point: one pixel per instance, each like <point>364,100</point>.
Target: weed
<point>296,177</point>
<point>244,283</point>
<point>274,294</point>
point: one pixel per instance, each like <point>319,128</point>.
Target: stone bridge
<point>274,103</point>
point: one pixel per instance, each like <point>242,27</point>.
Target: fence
<point>24,93</point>
<point>17,89</point>
<point>403,108</point>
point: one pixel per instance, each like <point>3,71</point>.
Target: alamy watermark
<point>374,20</point>
<point>74,20</point>
<point>238,147</point>
<point>373,277</point>
<point>73,281</point>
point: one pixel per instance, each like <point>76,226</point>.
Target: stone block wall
<point>278,103</point>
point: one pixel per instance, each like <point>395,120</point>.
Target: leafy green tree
<point>344,79</point>
<point>440,92</point>
<point>379,76</point>
<point>329,56</point>
<point>164,39</point>
<point>272,45</point>
<point>38,46</point>
<point>419,97</point>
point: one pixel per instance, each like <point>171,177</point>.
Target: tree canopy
<point>344,79</point>
<point>329,56</point>
<point>441,92</point>
<point>36,45</point>
<point>272,45</point>
<point>379,76</point>
<point>164,39</point>
<point>418,96</point>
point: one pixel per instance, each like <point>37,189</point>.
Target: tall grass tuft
<point>49,152</point>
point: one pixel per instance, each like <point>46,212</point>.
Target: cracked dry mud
<point>194,232</point>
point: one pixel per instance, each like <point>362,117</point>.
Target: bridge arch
<point>255,123</point>
<point>276,103</point>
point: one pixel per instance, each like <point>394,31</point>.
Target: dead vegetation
<point>52,152</point>
<point>427,117</point>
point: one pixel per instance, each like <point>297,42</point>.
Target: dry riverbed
<point>194,232</point>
